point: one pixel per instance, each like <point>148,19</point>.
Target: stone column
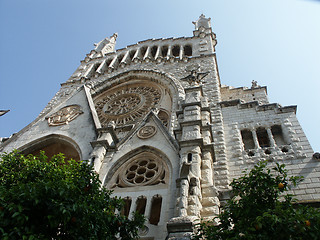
<point>271,139</point>
<point>206,169</point>
<point>133,207</point>
<point>184,192</point>
<point>158,53</point>
<point>105,139</point>
<point>255,138</point>
<point>147,212</point>
<point>97,156</point>
<point>181,52</point>
<point>169,53</point>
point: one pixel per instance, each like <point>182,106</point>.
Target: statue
<point>106,45</point>
<point>194,77</point>
<point>254,84</point>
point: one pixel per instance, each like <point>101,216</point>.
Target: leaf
<point>15,214</point>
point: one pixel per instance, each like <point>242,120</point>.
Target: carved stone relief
<point>146,132</point>
<point>64,115</point>
<point>195,77</point>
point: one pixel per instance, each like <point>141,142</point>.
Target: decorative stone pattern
<point>147,132</point>
<point>64,115</point>
<point>126,104</point>
<point>144,169</point>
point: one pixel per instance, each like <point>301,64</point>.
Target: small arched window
<point>154,51</point>
<point>141,205</point>
<point>155,210</point>
<point>120,57</point>
<point>247,139</point>
<point>108,62</point>
<point>278,135</point>
<point>188,50</point>
<point>263,137</point>
<point>164,51</point>
<point>176,51</point>
<point>131,54</point>
<point>143,51</point>
<point>94,69</point>
<point>126,207</point>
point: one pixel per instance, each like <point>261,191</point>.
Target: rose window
<point>122,105</point>
<point>143,169</point>
<point>127,103</point>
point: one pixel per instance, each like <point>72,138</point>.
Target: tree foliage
<point>261,208</point>
<point>58,199</point>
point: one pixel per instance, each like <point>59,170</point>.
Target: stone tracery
<point>126,104</point>
<point>144,169</point>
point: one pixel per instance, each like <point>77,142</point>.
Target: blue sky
<point>275,42</point>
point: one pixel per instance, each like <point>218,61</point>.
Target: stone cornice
<point>255,104</point>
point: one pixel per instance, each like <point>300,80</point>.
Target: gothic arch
<point>154,166</point>
<point>53,144</point>
<point>126,98</point>
<point>173,84</point>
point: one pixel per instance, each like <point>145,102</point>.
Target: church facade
<point>164,134</point>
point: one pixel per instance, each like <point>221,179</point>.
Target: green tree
<point>58,199</point>
<point>261,208</point>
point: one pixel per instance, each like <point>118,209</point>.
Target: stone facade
<point>164,134</point>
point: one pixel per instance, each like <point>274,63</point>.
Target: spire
<point>202,22</point>
<point>106,45</point>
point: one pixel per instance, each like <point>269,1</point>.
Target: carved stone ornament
<point>254,84</point>
<point>146,132</point>
<point>195,77</point>
<point>126,104</point>
<point>64,115</point>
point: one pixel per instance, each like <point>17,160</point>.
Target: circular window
<point>122,104</point>
<point>144,169</point>
<point>127,103</point>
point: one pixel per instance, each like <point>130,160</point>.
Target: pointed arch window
<point>145,168</point>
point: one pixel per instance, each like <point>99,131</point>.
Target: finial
<point>114,36</point>
<point>202,22</point>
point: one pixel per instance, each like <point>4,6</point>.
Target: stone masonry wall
<point>246,94</point>
<point>296,153</point>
